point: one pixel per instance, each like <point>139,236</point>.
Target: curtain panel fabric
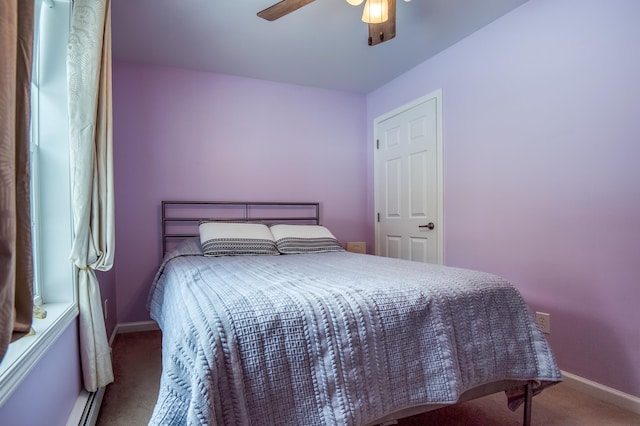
<point>90,130</point>
<point>16,262</point>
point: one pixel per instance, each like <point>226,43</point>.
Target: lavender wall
<point>542,182</point>
<point>108,292</point>
<point>54,382</point>
<point>188,135</point>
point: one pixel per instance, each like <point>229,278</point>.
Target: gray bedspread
<point>331,338</point>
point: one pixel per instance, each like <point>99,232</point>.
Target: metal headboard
<point>180,219</point>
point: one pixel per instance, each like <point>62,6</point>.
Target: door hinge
<point>378,217</point>
<point>377,143</point>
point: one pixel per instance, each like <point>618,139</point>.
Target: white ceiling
<point>323,44</point>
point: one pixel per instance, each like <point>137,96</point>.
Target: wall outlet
<point>104,308</point>
<point>544,322</point>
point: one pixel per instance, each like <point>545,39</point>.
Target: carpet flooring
<point>129,401</point>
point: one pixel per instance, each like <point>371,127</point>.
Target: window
<point>51,196</point>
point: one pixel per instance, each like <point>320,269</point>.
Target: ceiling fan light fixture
<point>375,11</point>
<point>355,2</point>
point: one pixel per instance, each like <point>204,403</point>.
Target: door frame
<point>437,95</point>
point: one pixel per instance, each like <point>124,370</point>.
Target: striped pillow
<point>296,239</point>
<point>236,239</point>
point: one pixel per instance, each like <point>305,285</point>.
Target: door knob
<point>429,225</point>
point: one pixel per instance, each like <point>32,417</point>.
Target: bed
<point>310,334</point>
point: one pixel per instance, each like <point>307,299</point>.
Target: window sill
<point>24,353</point>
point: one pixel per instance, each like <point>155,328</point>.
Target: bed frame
<point>478,392</point>
<point>180,220</point>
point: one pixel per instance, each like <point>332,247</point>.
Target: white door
<point>408,181</point>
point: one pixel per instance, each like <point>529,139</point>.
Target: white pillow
<point>233,239</point>
<point>294,239</point>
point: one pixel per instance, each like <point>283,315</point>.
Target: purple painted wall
<point>55,383</point>
<point>183,135</point>
<point>542,182</point>
<point>107,282</point>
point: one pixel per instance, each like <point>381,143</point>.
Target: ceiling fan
<point>380,15</point>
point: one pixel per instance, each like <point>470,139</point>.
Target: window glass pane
<point>51,203</point>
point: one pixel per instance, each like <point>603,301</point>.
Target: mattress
<point>334,338</point>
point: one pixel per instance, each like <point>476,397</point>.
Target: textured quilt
<point>331,338</point>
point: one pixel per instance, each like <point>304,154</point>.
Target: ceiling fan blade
<point>282,8</point>
<point>379,33</point>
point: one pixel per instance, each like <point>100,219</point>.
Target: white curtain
<point>90,129</point>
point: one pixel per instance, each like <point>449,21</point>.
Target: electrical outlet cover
<point>544,322</point>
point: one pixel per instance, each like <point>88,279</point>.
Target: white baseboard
<point>602,392</point>
<point>132,327</point>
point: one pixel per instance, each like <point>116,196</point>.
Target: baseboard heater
<point>92,408</point>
